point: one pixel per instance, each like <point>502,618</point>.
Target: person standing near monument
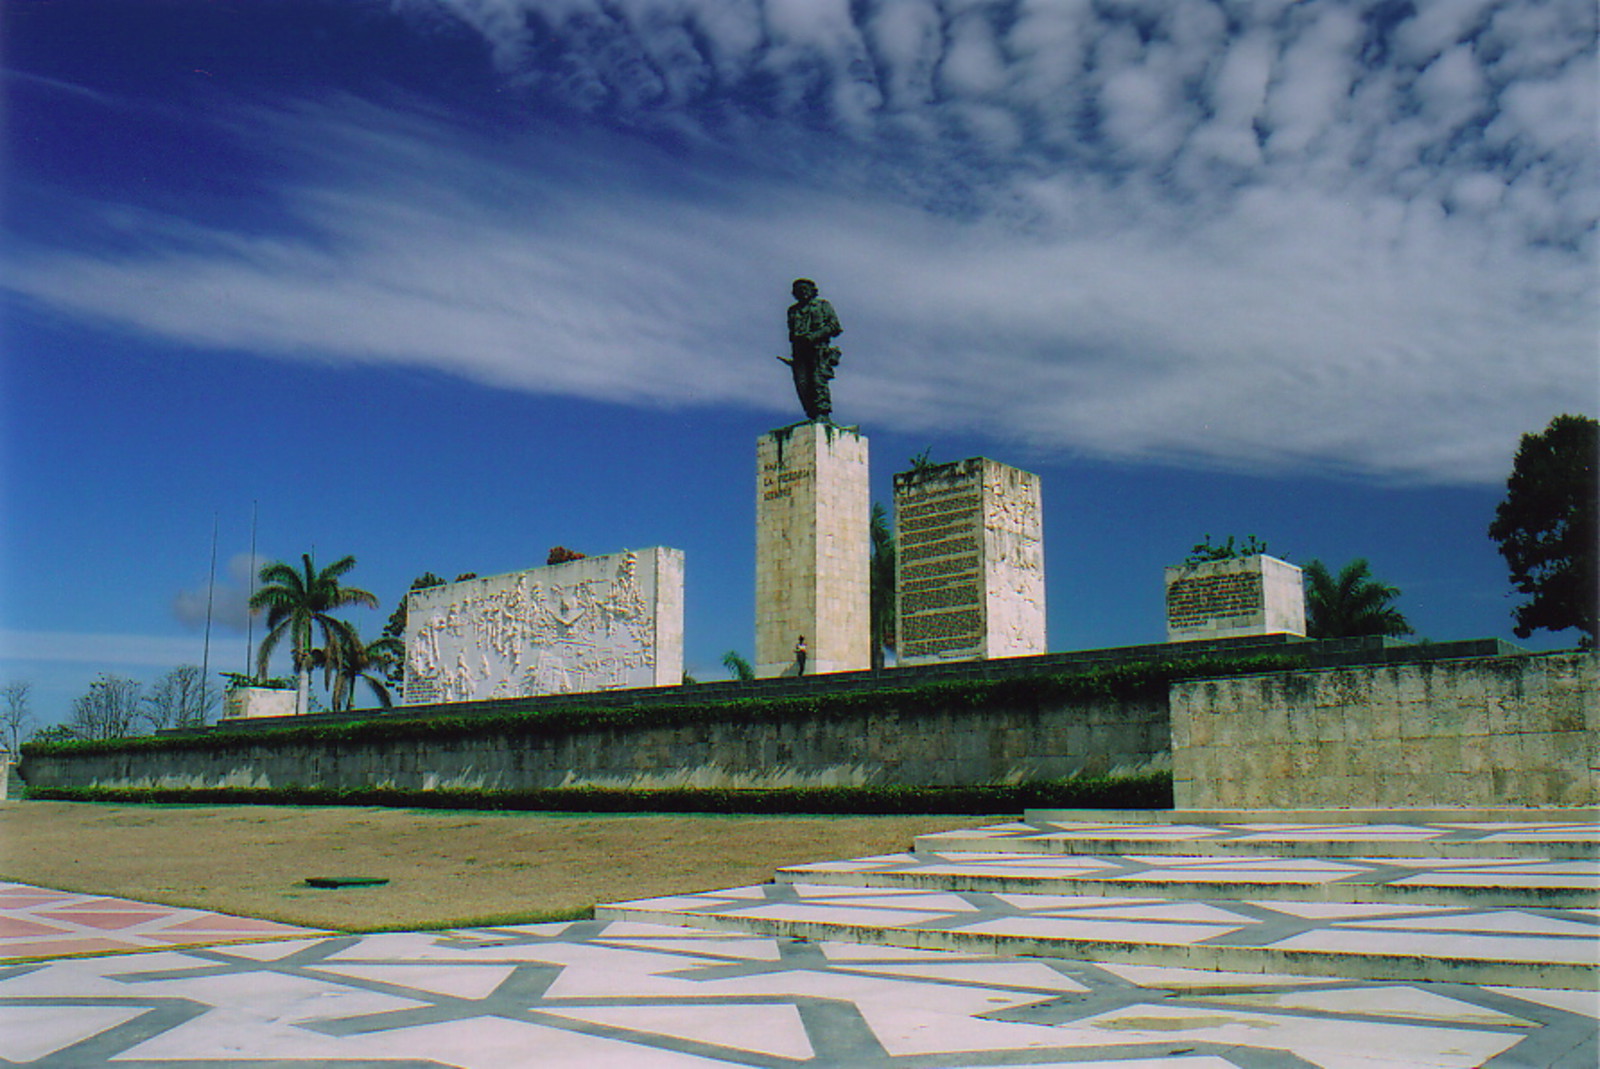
<point>800,656</point>
<point>812,326</point>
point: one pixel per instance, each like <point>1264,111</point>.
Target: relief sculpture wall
<point>600,623</point>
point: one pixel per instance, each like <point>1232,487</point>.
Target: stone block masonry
<point>969,579</point>
<point>813,507</point>
<point>1491,731</point>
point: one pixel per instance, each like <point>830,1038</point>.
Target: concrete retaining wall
<point>1517,731</point>
<point>936,748</point>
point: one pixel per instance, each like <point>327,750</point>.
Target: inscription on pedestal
<point>812,548</point>
<point>1256,595</point>
<point>969,578</point>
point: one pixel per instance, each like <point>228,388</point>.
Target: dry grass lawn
<point>445,868</point>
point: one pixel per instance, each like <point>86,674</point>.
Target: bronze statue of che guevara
<point>812,326</point>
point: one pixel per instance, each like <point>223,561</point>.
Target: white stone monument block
<point>1255,595</point>
<point>600,623</point>
<point>969,567</point>
<point>813,508</point>
<point>249,703</point>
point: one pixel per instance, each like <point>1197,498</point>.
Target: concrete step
<point>1477,882</point>
<point>1528,947</point>
<point>1486,840</point>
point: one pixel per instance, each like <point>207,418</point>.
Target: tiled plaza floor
<point>798,976</point>
<point>620,994</point>
<point>36,922</point>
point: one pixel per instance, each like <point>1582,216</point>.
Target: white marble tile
<point>1584,1003</point>
<point>1314,1039</point>
<point>1032,975</point>
<point>1508,922</point>
<point>1452,945</point>
<point>773,1030</point>
<point>458,980</point>
<point>1386,1001</point>
<point>1097,930</point>
<point>712,944</point>
<point>1179,979</point>
<point>28,1033</point>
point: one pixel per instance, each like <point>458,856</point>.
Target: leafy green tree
<point>1209,551</point>
<point>1548,527</point>
<point>299,604</point>
<point>355,660</point>
<point>881,576</point>
<point>395,673</point>
<point>737,666</point>
<point>1351,603</point>
<point>53,733</point>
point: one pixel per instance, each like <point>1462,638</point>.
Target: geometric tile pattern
<point>1482,881</point>
<point>1442,839</point>
<point>596,994</point>
<point>35,922</point>
<point>1532,947</point>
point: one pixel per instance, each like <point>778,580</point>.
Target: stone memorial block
<point>813,508</point>
<point>248,703</point>
<point>599,623</point>
<point>969,565</point>
<point>1255,595</point>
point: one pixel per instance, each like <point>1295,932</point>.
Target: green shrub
<point>1146,791</point>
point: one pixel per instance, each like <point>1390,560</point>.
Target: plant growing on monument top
<point>299,604</point>
<point>1350,604</point>
<point>1209,551</point>
<point>1548,528</point>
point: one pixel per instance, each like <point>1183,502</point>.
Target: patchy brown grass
<point>444,868</point>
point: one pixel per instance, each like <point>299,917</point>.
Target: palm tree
<point>354,660</point>
<point>1350,604</point>
<point>737,666</point>
<point>298,604</point>
<point>881,577</point>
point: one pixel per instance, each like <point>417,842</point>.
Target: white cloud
<point>1111,229</point>
<point>227,601</point>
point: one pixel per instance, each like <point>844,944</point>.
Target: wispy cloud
<point>1285,237</point>
<point>226,602</point>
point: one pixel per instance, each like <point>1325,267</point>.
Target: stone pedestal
<point>248,703</point>
<point>969,578</point>
<point>813,507</point>
<point>1255,595</point>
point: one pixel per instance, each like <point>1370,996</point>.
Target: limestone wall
<point>936,747</point>
<point>1486,731</point>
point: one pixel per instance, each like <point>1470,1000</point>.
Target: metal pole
<point>211,591</point>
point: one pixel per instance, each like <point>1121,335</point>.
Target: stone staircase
<point>1479,897</point>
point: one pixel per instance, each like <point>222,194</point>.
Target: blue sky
<point>443,283</point>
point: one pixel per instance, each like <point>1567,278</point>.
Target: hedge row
<point>1128,681</point>
<point>1144,791</point>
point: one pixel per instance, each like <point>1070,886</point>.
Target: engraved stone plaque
<point>1255,595</point>
<point>969,581</point>
<point>600,623</point>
